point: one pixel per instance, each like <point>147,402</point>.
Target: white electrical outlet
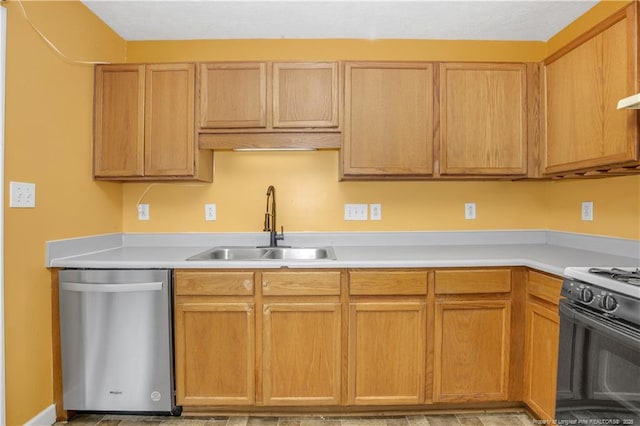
<point>376,211</point>
<point>209,212</point>
<point>587,210</point>
<point>469,211</point>
<point>355,211</point>
<point>22,194</point>
<point>143,211</point>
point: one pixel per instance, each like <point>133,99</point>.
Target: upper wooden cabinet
<point>119,121</point>
<point>483,119</point>
<point>583,84</point>
<point>144,123</point>
<point>233,95</point>
<point>305,95</point>
<point>388,129</point>
<point>269,105</point>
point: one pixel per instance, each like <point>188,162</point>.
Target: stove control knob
<point>586,295</point>
<point>608,303</point>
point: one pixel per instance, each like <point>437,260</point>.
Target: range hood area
<point>632,102</point>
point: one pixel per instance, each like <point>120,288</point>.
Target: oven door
<point>598,368</point>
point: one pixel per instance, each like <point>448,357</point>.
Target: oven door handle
<point>599,324</point>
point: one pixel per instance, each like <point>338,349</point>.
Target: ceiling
<point>536,20</point>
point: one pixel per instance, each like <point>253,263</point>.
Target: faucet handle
<point>281,236</point>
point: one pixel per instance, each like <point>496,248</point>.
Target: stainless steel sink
<point>266,253</point>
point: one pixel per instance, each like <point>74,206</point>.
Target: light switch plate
<point>22,194</point>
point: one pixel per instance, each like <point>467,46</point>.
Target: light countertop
<point>541,253</point>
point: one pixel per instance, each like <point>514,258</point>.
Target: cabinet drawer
<point>473,281</point>
<point>214,283</point>
<point>387,283</point>
<point>544,287</point>
<point>301,283</point>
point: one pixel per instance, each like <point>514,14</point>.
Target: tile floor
<point>467,419</point>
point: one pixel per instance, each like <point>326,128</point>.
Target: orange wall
<point>49,105</point>
<point>310,198</point>
<point>347,49</point>
<point>616,206</point>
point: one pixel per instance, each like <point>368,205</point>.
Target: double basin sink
<point>266,253</point>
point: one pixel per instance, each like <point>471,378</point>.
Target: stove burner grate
<point>626,276</point>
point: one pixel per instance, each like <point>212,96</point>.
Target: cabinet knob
<point>266,310</point>
<point>247,284</point>
<point>265,284</point>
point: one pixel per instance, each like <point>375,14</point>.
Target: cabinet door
<point>386,353</point>
<point>302,353</point>
<point>483,119</point>
<point>169,120</point>
<point>233,95</point>
<point>388,119</point>
<point>583,127</point>
<point>541,360</point>
<point>214,346</point>
<point>471,350</point>
<point>305,94</point>
<point>119,121</point>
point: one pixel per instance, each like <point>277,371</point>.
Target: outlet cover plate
<point>587,211</point>
<point>376,211</point>
<point>470,211</point>
<point>209,212</point>
<point>355,211</point>
<point>143,211</point>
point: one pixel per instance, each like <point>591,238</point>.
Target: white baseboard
<point>46,417</point>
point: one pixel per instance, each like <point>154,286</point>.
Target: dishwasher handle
<point>110,287</point>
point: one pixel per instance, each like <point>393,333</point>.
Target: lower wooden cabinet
<point>472,350</point>
<point>387,337</point>
<point>386,353</point>
<point>301,353</point>
<point>214,346</point>
<point>541,344</point>
<point>214,319</point>
<point>395,337</point>
<point>472,335</point>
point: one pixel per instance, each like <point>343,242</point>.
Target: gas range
<point>599,347</point>
<point>614,292</point>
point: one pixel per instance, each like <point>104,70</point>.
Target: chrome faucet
<point>270,219</point>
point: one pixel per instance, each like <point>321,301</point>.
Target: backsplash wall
<point>310,198</point>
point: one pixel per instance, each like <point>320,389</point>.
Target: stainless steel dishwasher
<point>116,340</point>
